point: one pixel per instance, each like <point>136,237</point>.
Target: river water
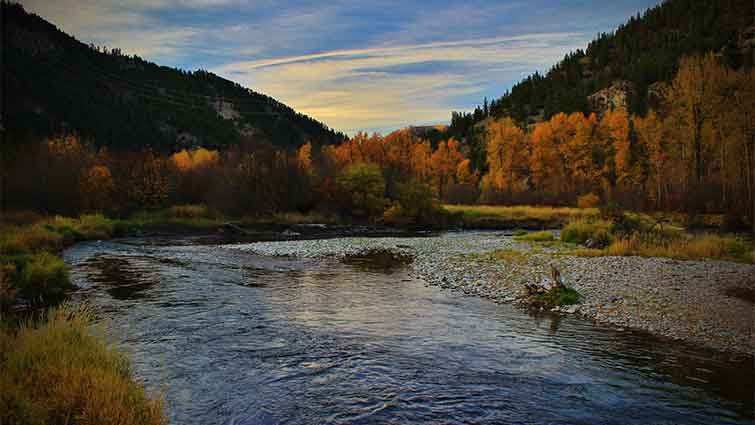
<point>234,338</point>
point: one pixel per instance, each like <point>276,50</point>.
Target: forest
<point>694,154</point>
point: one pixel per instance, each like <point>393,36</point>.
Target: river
<point>235,338</point>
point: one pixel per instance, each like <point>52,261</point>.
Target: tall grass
<point>59,369</point>
<point>687,248</point>
<point>523,212</point>
<point>582,230</point>
<point>542,236</point>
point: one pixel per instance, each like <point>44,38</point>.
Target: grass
<point>56,369</point>
<point>644,239</point>
<point>519,216</point>
<point>43,278</point>
<point>588,229</point>
<point>542,236</point>
<point>706,246</point>
<point>557,296</point>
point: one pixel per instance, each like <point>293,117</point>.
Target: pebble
<point>678,299</point>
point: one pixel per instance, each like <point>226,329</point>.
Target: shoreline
<point>687,301</point>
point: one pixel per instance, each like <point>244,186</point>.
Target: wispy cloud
<point>354,64</point>
<point>392,86</point>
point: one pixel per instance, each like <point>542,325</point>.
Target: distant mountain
<point>622,67</point>
<point>53,83</point>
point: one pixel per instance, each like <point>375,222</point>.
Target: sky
<point>354,65</point>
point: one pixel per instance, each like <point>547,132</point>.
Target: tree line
<point>695,153</point>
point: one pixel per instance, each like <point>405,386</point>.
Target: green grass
<point>60,369</point>
<point>558,297</point>
<point>542,236</point>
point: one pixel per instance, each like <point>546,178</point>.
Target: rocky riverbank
<point>702,302</point>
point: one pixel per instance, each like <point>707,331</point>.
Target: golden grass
<point>695,248</point>
<point>32,238</point>
<point>60,370</point>
<point>707,246</point>
<point>522,213</point>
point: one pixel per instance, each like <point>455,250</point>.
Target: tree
<point>97,188</point>
<point>361,190</point>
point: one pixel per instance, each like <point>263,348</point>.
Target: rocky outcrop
<point>612,97</point>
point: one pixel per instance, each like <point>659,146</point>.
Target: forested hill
<point>623,65</point>
<point>54,83</point>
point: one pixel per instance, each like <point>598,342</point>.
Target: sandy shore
<point>686,300</point>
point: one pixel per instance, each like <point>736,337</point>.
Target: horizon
<point>354,67</point>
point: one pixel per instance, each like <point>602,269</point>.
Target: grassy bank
<point>59,369</point>
<point>523,216</point>
<point>636,237</point>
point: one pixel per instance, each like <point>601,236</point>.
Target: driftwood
<point>557,281</point>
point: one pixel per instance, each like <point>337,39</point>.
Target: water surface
<point>234,338</point>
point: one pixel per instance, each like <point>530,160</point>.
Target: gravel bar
<point>684,300</point>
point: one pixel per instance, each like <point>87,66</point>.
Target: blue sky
<point>355,65</point>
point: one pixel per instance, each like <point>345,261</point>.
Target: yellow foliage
<point>588,200</point>
<point>96,187</point>
<point>199,157</point>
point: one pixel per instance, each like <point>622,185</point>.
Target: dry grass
<point>57,370</point>
<point>694,248</point>
<point>685,247</point>
<point>543,236</point>
<point>25,239</point>
<point>524,212</point>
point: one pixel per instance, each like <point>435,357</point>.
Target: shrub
<point>43,278</point>
<point>543,236</point>
<point>580,231</point>
<point>55,370</point>
<point>589,200</point>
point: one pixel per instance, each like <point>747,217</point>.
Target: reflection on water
<point>239,339</point>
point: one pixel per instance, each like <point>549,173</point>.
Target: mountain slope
<point>55,83</point>
<point>641,52</point>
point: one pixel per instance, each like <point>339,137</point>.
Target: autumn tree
<point>507,155</point>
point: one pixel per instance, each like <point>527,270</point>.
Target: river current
<point>232,338</point>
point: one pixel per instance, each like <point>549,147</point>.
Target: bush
<point>543,236</point>
<point>589,200</point>
<point>599,232</point>
<point>54,370</point>
<point>520,232</point>
<point>43,278</point>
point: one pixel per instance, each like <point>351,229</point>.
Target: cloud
<point>354,64</point>
<point>388,87</point>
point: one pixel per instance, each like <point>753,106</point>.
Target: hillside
<point>621,67</point>
<point>56,83</point>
